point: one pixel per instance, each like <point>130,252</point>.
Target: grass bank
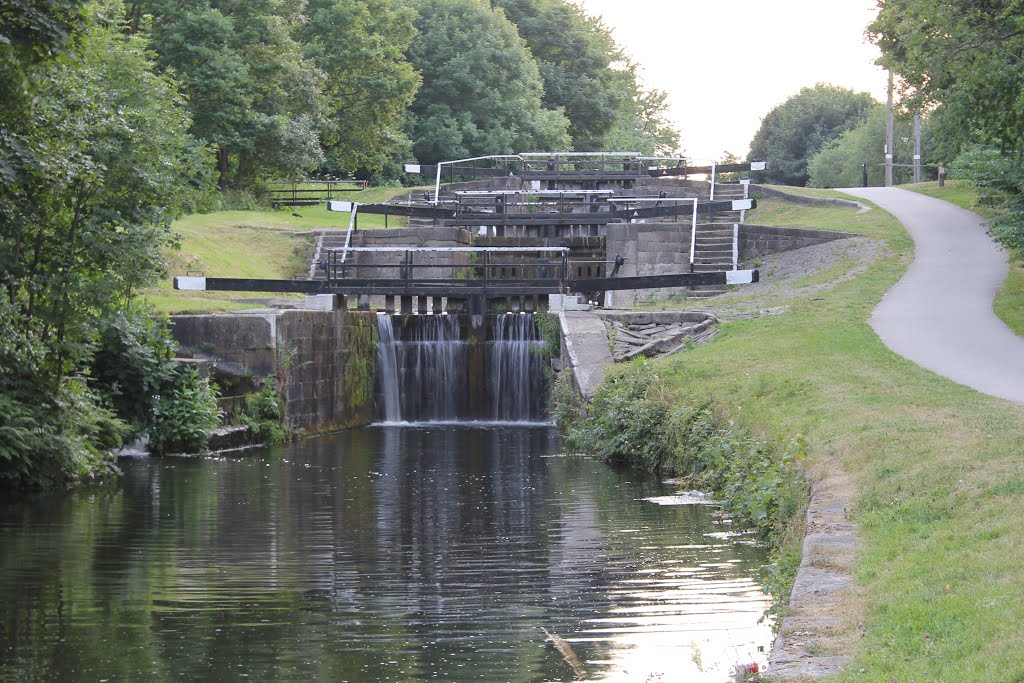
<point>256,244</point>
<point>935,469</point>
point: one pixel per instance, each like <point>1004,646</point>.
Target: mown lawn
<point>937,469</point>
<point>256,244</point>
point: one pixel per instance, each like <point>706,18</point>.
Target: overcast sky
<point>727,63</point>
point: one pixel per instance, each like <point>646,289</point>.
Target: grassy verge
<point>255,244</point>
<point>935,470</point>
<point>775,212</point>
<point>808,191</point>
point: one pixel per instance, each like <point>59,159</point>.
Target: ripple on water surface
<point>414,553</point>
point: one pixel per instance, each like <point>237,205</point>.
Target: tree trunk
<point>223,158</point>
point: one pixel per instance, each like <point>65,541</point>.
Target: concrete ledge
<point>585,349</point>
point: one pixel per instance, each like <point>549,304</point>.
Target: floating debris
<point>683,498</point>
<point>568,654</point>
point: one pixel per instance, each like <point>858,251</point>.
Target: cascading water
<point>427,371</point>
<point>389,406</point>
<point>422,370</point>
<point>515,369</point>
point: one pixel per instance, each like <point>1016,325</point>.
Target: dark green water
<point>381,554</point>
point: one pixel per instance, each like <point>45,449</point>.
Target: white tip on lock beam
<point>758,165</point>
<point>190,283</point>
<point>740,277</point>
<point>412,168</point>
<point>345,207</point>
<point>742,204</point>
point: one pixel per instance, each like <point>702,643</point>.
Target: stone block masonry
<point>323,361</point>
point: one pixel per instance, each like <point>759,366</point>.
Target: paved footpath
<point>940,314</point>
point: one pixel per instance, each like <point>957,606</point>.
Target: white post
<point>351,228</point>
<point>693,233</point>
<point>714,171</point>
<point>437,183</point>
<point>746,195</point>
<point>735,246</point>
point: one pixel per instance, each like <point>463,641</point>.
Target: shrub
<point>263,414</point>
<point>132,365</point>
<point>185,414</point>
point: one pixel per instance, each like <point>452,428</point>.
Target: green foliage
<point>550,331</point>
<point>96,161</point>
<point>360,47</point>
<point>359,354</point>
<point>568,410</point>
<point>482,91</point>
<point>587,75</point>
<point>132,365</point>
<point>793,132</point>
<point>84,222</point>
<point>964,54</point>
<point>253,96</point>
<point>264,415</point>
<point>839,163</point>
<point>57,442</point>
<point>185,414</point>
<point>999,178</point>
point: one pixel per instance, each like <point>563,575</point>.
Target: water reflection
<point>383,554</point>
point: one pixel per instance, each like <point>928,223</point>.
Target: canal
<point>378,554</point>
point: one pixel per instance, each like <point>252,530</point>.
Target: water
<point>515,368</point>
<point>421,374</point>
<point>381,554</point>
<point>428,373</point>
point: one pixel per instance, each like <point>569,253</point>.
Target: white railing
<point>735,246</point>
<point>353,209</point>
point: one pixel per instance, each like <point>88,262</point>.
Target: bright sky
<point>727,63</point>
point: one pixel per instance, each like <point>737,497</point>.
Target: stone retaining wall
<point>321,359</point>
<point>757,240</point>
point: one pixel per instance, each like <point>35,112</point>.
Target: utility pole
<point>888,136</point>
<point>917,147</point>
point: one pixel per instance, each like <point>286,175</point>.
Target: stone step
<point>705,291</point>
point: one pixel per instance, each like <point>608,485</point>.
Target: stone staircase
<point>713,248</point>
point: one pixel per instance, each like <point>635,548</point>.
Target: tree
<point>642,126</point>
<point>964,56</point>
<point>360,46</point>
<point>586,74</point>
<point>481,92</point>
<point>254,97</point>
<point>839,164</point>
<point>575,55</point>
<point>101,163</point>
<point>797,129</point>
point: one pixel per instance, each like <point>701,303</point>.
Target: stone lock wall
<point>323,361</point>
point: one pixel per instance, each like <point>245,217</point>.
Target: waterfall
<point>422,371</point>
<point>389,406</point>
<point>427,371</point>
<point>515,369</point>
